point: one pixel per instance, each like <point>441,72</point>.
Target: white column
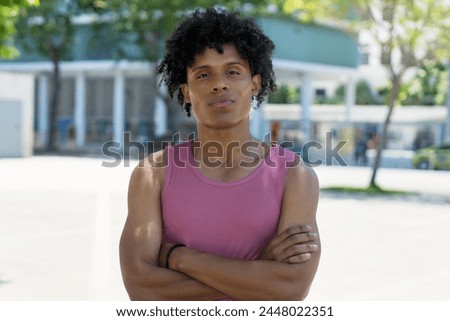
<point>447,124</point>
<point>119,107</point>
<point>350,98</point>
<point>437,129</point>
<point>160,115</point>
<point>80,109</point>
<point>306,101</point>
<point>256,123</point>
<point>42,112</point>
<point>138,98</point>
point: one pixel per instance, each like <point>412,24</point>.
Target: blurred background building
<point>102,97</point>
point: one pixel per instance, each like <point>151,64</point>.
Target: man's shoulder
<point>152,168</point>
<point>302,176</point>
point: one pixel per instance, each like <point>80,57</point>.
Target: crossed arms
<point>283,271</point>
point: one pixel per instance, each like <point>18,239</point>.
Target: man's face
<point>220,87</point>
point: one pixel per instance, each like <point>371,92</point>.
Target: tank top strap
<point>177,156</point>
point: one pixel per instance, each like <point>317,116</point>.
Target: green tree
<point>305,11</point>
<point>285,95</point>
<point>48,29</point>
<point>409,33</point>
<point>364,95</point>
<point>428,87</point>
<point>9,10</point>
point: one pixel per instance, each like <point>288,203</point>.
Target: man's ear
<point>256,84</point>
<point>185,91</point>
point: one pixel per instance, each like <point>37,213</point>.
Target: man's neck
<point>228,146</point>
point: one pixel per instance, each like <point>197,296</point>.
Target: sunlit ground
<point>61,219</point>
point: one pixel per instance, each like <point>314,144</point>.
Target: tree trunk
<point>171,126</point>
<point>52,143</point>
<point>395,85</point>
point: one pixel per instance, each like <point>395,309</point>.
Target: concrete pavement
<point>61,219</point>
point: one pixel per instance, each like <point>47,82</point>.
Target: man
<point>226,216</point>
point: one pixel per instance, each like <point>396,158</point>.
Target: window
<point>364,54</point>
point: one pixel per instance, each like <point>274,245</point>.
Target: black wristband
<point>170,252</point>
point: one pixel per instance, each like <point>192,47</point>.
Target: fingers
<point>293,230</point>
<point>298,253</point>
<point>289,232</point>
<point>296,235</point>
<point>294,245</point>
<point>309,237</point>
<point>298,258</point>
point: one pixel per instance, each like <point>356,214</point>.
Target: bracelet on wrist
<point>170,252</point>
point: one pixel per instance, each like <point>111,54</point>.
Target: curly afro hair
<point>212,29</point>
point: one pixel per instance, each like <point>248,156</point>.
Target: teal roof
<point>311,43</point>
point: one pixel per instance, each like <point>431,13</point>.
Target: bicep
<point>142,233</point>
<point>300,200</point>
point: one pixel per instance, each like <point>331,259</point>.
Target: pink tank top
<point>233,219</point>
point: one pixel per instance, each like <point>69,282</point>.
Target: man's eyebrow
<point>199,67</point>
<point>236,63</point>
<point>194,68</point>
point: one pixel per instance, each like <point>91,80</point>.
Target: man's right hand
<point>294,245</point>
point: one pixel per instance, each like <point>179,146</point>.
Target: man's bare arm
<point>140,244</point>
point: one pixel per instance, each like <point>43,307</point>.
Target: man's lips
<point>222,103</point>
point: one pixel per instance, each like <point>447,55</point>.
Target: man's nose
<point>219,85</point>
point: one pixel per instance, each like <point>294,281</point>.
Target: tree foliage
<point>364,94</point>
<point>48,29</point>
<point>428,87</point>
<point>285,95</point>
<point>305,11</point>
<point>9,10</point>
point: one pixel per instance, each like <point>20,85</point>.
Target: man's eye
<point>233,72</point>
<point>202,76</point>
